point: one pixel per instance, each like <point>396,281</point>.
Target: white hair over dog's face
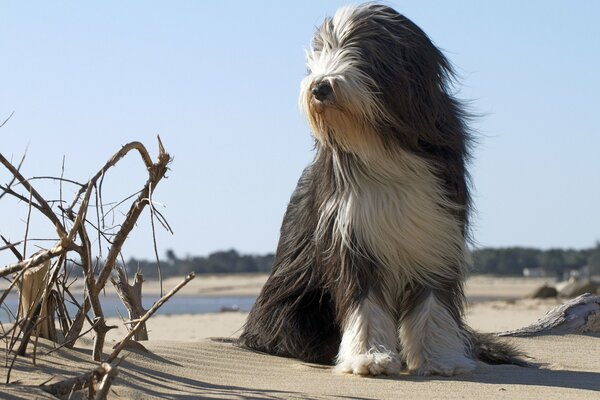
<point>374,79</point>
<point>338,97</point>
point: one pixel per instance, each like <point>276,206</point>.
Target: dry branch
<point>12,248</point>
<point>83,381</point>
<point>131,296</point>
<point>156,172</point>
<point>112,162</point>
<point>36,259</point>
<point>44,207</point>
<point>7,119</point>
<point>148,314</point>
<point>579,315</point>
<point>72,226</point>
<point>109,376</point>
<point>32,287</point>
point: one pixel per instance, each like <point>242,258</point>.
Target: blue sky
<point>219,82</point>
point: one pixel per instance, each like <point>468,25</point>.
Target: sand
<point>184,363</point>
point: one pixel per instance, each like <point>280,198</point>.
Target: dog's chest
<point>400,218</point>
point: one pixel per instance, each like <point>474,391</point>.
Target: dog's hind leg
<point>369,341</point>
<point>432,336</point>
<point>292,321</point>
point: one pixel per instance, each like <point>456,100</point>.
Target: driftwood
<point>104,386</point>
<point>31,287</point>
<point>97,382</point>
<point>105,373</point>
<point>142,321</point>
<point>576,287</point>
<point>35,260</point>
<point>579,315</point>
<point>73,242</point>
<point>156,172</point>
<point>131,296</point>
<point>39,314</point>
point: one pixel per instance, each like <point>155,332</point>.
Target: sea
<point>178,304</point>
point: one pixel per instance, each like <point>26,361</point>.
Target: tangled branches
<point>73,222</point>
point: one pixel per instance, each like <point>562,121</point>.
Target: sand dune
<point>214,369</point>
<point>183,363</point>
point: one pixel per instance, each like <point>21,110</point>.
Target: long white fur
<point>369,343</point>
<point>401,221</point>
<point>433,343</point>
<point>394,204</point>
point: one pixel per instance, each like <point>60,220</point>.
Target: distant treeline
<point>554,262</point>
<point>220,262</point>
<point>496,261</point>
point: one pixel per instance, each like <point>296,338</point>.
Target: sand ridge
<point>219,369</point>
<point>183,362</point>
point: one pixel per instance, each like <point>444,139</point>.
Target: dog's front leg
<point>433,340</point>
<point>369,341</point>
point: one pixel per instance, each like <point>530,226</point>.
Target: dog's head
<point>374,80</point>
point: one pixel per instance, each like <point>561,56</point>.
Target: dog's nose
<point>322,91</point>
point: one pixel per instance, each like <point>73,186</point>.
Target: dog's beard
<point>347,119</point>
<point>337,126</point>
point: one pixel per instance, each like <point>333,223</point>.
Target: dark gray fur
<point>313,285</point>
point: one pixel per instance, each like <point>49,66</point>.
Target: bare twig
<point>109,375</point>
<point>60,190</point>
<point>148,314</point>
<point>160,281</point>
<point>6,120</point>
<point>71,224</point>
<point>12,245</point>
<point>87,380</point>
<point>131,296</point>
<point>45,208</point>
<point>55,178</point>
<point>163,221</point>
<point>156,173</point>
<point>18,353</point>
<point>27,227</point>
<point>12,248</point>
<point>110,210</point>
<point>14,178</point>
<point>98,207</point>
<point>65,344</point>
<point>112,162</point>
<point>36,259</point>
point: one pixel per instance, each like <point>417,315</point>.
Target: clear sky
<point>219,82</point>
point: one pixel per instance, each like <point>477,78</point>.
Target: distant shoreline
<point>250,284</point>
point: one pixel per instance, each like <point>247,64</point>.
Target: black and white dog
<point>372,257</point>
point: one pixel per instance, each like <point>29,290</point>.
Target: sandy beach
<point>192,356</point>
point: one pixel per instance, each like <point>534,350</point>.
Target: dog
<point>371,262</point>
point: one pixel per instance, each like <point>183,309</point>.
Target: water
<point>113,307</point>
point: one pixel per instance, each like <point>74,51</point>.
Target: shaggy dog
<point>372,256</point>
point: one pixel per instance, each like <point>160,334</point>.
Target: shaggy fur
<point>372,256</point>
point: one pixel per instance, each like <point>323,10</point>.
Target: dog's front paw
<point>371,363</point>
<point>455,366</point>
